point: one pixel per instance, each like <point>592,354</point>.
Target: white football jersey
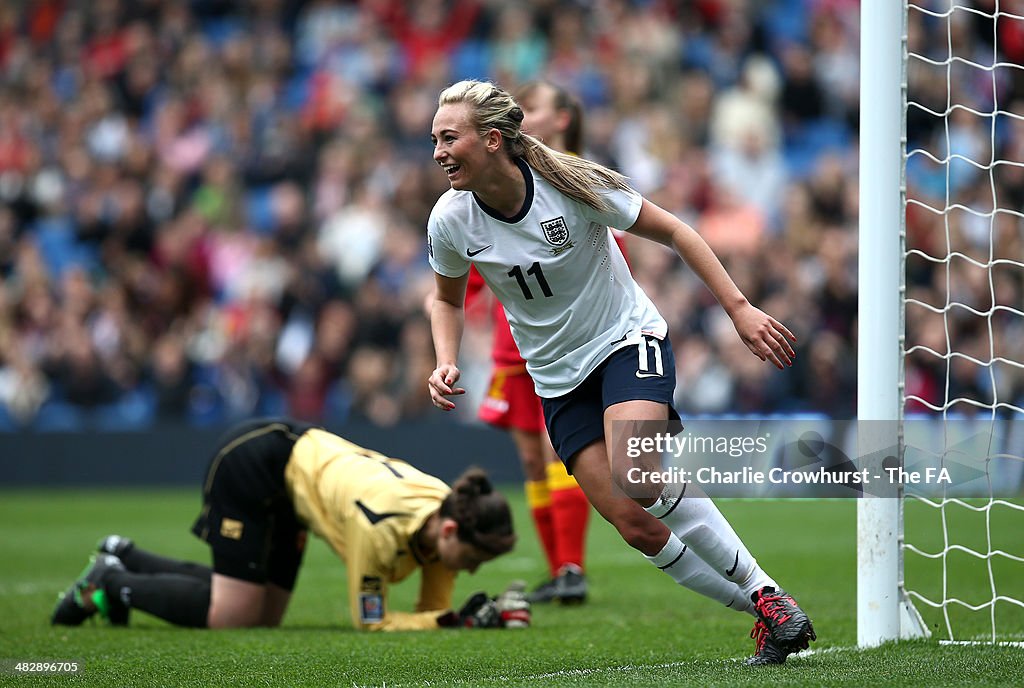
<point>568,293</point>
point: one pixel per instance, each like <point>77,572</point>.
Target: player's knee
<point>624,477</point>
<point>531,454</point>
<point>534,466</point>
<point>233,615</point>
<point>275,603</point>
<point>641,531</point>
<point>271,616</point>
<point>643,539</point>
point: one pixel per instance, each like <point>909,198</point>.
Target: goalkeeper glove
<point>480,611</point>
<point>514,607</point>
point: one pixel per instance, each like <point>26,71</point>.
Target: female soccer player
<point>559,507</point>
<point>534,224</point>
<point>268,483</point>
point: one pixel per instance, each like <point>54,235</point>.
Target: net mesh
<point>963,308</point>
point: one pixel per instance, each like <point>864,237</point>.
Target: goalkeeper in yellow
<point>268,484</point>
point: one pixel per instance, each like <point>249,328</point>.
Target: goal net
<point>962,305</point>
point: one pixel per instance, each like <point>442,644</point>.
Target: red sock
<point>570,513</point>
<point>538,498</point>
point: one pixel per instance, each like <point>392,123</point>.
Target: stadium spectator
<point>594,344</point>
<point>272,480</point>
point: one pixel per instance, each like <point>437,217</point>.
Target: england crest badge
<point>557,234</point>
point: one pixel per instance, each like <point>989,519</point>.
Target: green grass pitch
<point>637,629</point>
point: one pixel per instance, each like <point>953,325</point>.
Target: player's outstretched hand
<point>480,611</point>
<point>441,384</point>
<point>766,337</point>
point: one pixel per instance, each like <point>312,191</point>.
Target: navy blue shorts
<point>645,372</point>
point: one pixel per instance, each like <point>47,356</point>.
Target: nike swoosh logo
<point>472,253</point>
<point>645,375</point>
<point>734,565</point>
<point>373,517</point>
<point>620,339</point>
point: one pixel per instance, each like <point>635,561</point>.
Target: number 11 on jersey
<point>535,272</point>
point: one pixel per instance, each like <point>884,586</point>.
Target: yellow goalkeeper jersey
<point>368,507</point>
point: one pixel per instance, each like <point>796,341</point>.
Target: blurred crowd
<point>213,209</point>
<point>965,235</point>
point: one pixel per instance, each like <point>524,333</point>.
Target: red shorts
<point>512,401</point>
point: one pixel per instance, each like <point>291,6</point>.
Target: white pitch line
<point>949,643</point>
<point>826,650</point>
<point>564,673</point>
<point>624,668</point>
<point>589,672</point>
<point>1001,643</point>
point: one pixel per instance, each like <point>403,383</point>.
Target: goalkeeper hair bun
<point>482,514</point>
<point>473,483</point>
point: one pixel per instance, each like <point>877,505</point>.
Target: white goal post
<point>880,596</point>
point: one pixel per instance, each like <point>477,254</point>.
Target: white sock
<point>694,518</point>
<point>690,571</point>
